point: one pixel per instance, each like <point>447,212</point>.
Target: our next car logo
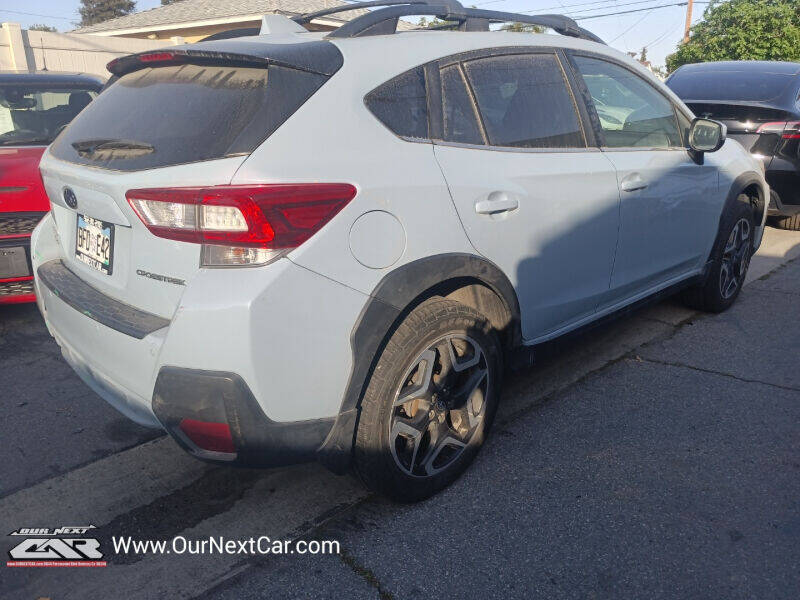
<point>70,198</point>
<point>59,547</point>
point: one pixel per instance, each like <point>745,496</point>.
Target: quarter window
<point>460,120</point>
<point>401,104</point>
<point>632,113</point>
<point>524,101</point>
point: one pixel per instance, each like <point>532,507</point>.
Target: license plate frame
<point>89,234</point>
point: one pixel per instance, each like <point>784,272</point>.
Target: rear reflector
<point>268,219</point>
<point>214,437</point>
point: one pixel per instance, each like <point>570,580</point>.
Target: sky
<point>660,29</point>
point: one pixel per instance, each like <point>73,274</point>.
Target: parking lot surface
<point>657,456</point>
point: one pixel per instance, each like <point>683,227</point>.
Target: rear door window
<point>458,110</point>
<point>156,117</point>
<point>402,104</point>
<point>524,101</point>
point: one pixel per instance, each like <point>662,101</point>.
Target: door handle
<point>632,183</point>
<point>496,202</point>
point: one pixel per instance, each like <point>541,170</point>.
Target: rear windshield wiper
<point>88,147</point>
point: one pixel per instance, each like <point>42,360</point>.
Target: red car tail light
<point>788,130</point>
<point>215,437</point>
<point>256,223</point>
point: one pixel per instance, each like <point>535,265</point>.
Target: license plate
<point>13,263</point>
<point>94,244</point>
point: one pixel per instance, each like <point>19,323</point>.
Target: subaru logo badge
<point>70,198</point>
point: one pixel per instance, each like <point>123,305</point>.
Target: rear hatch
<point>183,118</point>
<point>748,123</point>
<point>748,97</point>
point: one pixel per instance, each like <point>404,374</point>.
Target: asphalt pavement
<point>657,456</point>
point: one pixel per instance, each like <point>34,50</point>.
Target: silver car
<point>331,245</point>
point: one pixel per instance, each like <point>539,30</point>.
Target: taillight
<point>788,130</point>
<point>241,225</point>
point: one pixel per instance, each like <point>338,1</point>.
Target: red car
<point>34,108</point>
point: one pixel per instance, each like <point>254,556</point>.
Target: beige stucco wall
<point>24,50</point>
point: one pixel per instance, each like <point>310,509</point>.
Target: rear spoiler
<point>315,56</point>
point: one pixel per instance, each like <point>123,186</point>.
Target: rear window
<point>402,104</point>
<point>33,114</point>
<point>171,115</point>
<point>745,86</point>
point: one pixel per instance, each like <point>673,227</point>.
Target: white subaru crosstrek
<point>308,245</point>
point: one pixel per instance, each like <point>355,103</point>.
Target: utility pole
<point>688,20</point>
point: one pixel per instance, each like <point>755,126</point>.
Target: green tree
<point>743,30</point>
<point>97,11</point>
<point>523,28</point>
<point>40,27</point>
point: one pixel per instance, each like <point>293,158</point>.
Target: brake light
<point>788,130</point>
<point>118,64</point>
<point>215,437</point>
<point>241,225</point>
<point>156,57</point>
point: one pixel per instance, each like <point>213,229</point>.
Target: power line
<point>580,10</point>
<point>647,14</point>
<point>27,14</point>
<point>627,12</point>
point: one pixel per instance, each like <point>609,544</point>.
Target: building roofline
<point>330,21</point>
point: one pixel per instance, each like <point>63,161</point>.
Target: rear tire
<point>730,260</point>
<point>791,223</point>
<point>430,401</point>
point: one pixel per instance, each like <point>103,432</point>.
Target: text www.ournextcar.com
<point>219,545</point>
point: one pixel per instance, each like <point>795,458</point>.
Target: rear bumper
<point>267,350</point>
<point>224,398</point>
<point>118,367</point>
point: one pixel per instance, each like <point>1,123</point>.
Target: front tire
<point>730,260</point>
<point>430,401</point>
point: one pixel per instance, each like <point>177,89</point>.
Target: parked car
<point>759,102</point>
<point>302,246</point>
<point>34,107</point>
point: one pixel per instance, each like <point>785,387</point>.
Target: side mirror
<point>706,135</point>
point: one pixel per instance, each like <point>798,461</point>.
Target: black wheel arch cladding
<point>394,297</point>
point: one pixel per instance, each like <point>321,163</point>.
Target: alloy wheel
<point>735,259</point>
<point>440,405</point>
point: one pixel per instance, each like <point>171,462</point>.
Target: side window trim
<point>595,119</point>
<point>581,111</point>
<point>474,103</point>
<point>433,91</point>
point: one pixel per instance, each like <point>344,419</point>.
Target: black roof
<point>766,83</point>
<point>747,66</point>
<point>50,78</point>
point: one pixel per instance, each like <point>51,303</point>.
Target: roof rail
<point>384,20</point>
